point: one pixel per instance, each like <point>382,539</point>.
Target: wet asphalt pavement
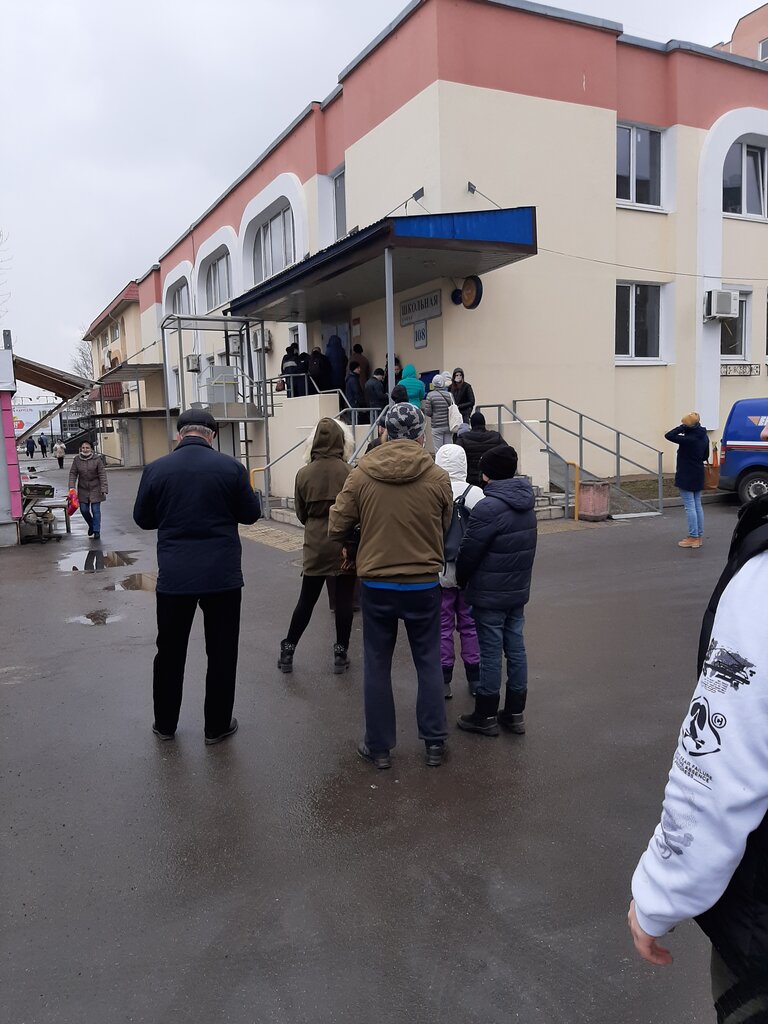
<point>278,879</point>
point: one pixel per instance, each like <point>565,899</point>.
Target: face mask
<point>86,455</point>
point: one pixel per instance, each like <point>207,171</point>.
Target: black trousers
<point>420,610</point>
<point>221,621</point>
<point>60,460</point>
<point>311,589</point>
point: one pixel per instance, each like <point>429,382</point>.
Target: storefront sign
<point>420,334</point>
<point>421,307</point>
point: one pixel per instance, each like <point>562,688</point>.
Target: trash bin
<point>594,501</point>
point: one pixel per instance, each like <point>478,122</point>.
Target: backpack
<point>455,533</point>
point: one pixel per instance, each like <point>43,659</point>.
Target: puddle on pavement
<point>95,560</point>
<point>136,581</point>
<point>101,617</point>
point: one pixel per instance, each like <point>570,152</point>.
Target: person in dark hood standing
<point>495,564</point>
<point>337,357</point>
<point>693,451</point>
<point>89,475</point>
<point>195,497</point>
<point>362,360</point>
<point>317,486</point>
<point>320,371</point>
<point>462,393</point>
<point>476,442</point>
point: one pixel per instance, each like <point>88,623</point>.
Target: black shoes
<point>340,659</point>
<point>447,677</point>
<point>379,759</point>
<point>210,740</point>
<point>512,716</point>
<point>97,536</point>
<point>285,660</point>
<point>90,532</point>
<point>511,721</point>
<point>473,676</point>
<point>162,735</point>
<point>435,752</point>
<point>483,719</point>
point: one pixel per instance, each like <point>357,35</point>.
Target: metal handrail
<point>548,422</point>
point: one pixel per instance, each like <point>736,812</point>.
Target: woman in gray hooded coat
<point>436,405</point>
<point>89,475</point>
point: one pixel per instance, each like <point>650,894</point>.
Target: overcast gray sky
<point>121,122</point>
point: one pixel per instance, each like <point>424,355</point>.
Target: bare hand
<point>764,434</point>
<point>645,944</point>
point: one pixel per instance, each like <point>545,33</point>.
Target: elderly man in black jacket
<point>495,564</point>
<point>195,497</point>
<point>476,442</point>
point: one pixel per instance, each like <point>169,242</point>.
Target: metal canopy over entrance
<point>392,255</point>
<point>66,386</point>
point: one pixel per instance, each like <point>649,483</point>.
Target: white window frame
<point>745,150</point>
<point>179,308</point>
<point>263,240</point>
<point>631,359</point>
<point>218,281</point>
<point>114,332</point>
<point>632,201</point>
<point>341,173</point>
<point>745,315</point>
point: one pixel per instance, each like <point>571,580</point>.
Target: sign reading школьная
<point>421,307</point>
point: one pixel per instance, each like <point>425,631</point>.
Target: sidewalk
<point>277,878</point>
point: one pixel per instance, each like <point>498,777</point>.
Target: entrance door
<point>342,330</point>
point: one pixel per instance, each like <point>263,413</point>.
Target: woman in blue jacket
<point>693,451</point>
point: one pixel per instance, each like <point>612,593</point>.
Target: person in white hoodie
<point>455,614</point>
<point>708,858</point>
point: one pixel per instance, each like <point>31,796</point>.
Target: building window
<point>638,308</point>
<point>744,182</point>
<point>217,282</point>
<point>733,334</point>
<point>638,165</point>
<point>180,300</point>
<point>273,246</point>
<point>762,49</point>
<point>340,204</point>
<point>114,332</point>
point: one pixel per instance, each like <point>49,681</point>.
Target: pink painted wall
<point>11,458</point>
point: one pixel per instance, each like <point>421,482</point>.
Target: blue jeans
<point>694,511</point>
<point>497,632</point>
<point>91,511</point>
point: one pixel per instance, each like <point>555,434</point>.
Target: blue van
<point>743,456</point>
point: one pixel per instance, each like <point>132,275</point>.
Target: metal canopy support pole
<point>166,389</point>
<point>389,305</point>
<point>182,388</point>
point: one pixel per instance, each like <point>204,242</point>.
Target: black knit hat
<point>500,463</point>
<point>476,420</point>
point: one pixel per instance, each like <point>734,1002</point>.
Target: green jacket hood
<point>409,370</point>
<point>396,462</point>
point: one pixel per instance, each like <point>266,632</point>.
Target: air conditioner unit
<point>234,346</point>
<point>192,363</point>
<point>721,305</point>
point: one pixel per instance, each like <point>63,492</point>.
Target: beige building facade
<point>646,164</point>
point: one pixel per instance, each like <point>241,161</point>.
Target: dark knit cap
<point>476,420</point>
<point>404,422</point>
<point>197,418</point>
<point>500,463</point>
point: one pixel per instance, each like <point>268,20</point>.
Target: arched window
<point>218,281</point>
<point>273,246</point>
<point>180,299</point>
<point>744,180</point>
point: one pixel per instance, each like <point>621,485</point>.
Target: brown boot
<point>689,542</point>
<point>698,541</point>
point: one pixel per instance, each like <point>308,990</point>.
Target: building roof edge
<point>681,45</point>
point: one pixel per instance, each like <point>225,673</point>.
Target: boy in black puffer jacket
<point>494,565</point>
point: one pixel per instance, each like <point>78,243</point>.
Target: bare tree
<point>82,360</point>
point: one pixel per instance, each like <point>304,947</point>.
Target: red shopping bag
<point>72,503</point>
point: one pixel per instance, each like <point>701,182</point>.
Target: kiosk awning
<point>48,378</point>
<point>351,272</point>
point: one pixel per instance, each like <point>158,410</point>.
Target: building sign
<point>421,307</point>
<point>420,334</point>
<point>740,369</point>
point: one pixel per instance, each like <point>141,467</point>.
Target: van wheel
<point>753,485</point>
